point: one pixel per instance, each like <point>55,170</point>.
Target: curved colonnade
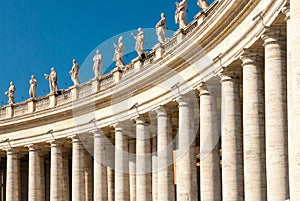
<point>221,86</point>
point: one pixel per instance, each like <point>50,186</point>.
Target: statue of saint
<point>203,4</point>
<point>97,64</point>
<point>180,14</point>
<point>52,81</point>
<point>32,90</point>
<point>139,45</point>
<point>161,28</point>
<point>74,72</point>
<point>119,52</point>
<point>11,93</point>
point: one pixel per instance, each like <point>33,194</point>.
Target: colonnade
<point>240,119</point>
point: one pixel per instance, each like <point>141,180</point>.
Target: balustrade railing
<point>64,97</point>
<point>20,109</point>
<point>42,103</point>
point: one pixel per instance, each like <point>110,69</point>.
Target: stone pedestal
<point>159,52</point>
<point>95,85</point>
<point>210,183</point>
<point>232,139</point>
<point>137,65</point>
<point>100,171</point>
<point>13,192</point>
<point>56,174</point>
<point>117,75</point>
<point>52,100</point>
<point>276,113</point>
<point>31,105</point>
<point>75,93</point>
<point>122,189</point>
<point>253,125</point>
<point>9,111</point>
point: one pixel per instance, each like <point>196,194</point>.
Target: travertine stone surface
<point>276,113</point>
<point>185,158</point>
<point>34,175</point>
<point>88,176</point>
<point>143,161</point>
<point>295,110</point>
<point>66,185</point>
<point>78,183</point>
<point>56,172</point>
<point>13,192</point>
<point>165,171</point>
<point>122,189</point>
<point>232,139</point>
<point>100,170</point>
<point>154,169</point>
<point>253,126</point>
<point>132,169</point>
<point>210,183</point>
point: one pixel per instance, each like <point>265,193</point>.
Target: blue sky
<point>38,35</point>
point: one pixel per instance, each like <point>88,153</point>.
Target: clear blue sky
<point>38,35</point>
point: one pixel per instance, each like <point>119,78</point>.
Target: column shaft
<point>143,162</point>
<point>13,176</point>
<point>253,125</point>
<point>210,183</point>
<point>276,113</point>
<point>66,180</point>
<point>165,169</point>
<point>100,170</point>
<point>185,156</point>
<point>78,184</point>
<point>122,189</point>
<point>232,140</point>
<point>154,169</point>
<point>132,169</point>
<point>294,117</point>
<point>88,176</point>
<point>34,180</point>
<point>56,172</point>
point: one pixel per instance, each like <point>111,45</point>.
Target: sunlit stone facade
<point>211,114</point>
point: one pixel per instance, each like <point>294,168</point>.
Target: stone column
<point>132,169</point>
<point>34,174</point>
<point>56,172</point>
<point>276,113</point>
<point>165,169</point>
<point>110,151</point>
<point>154,169</point>
<point>185,155</point>
<point>88,176</point>
<point>253,125</point>
<point>232,139</point>
<point>100,171</point>
<point>122,188</point>
<point>78,184</point>
<point>210,183</point>
<point>13,192</point>
<point>294,115</point>
<point>143,161</point>
<point>66,184</point>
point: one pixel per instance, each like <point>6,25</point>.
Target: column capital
<point>119,127</point>
<point>75,138</point>
<point>230,74</point>
<point>183,100</point>
<point>138,120</point>
<point>251,56</point>
<point>202,88</point>
<point>161,111</point>
<point>286,10</point>
<point>12,151</point>
<point>33,147</point>
<point>274,35</point>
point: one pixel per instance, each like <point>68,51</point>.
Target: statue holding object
<point>52,77</point>
<point>119,52</point>
<point>180,14</point>
<point>139,45</point>
<point>74,73</point>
